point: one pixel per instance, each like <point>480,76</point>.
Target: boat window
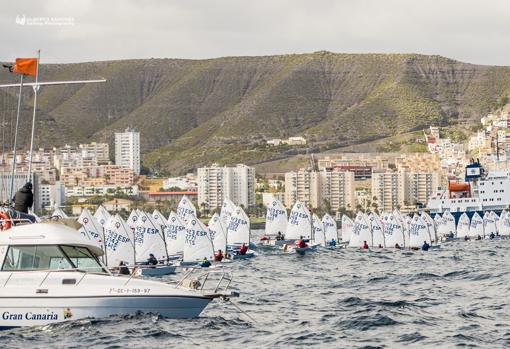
<point>83,259</point>
<point>35,258</point>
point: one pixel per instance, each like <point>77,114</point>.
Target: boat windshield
<point>50,257</point>
<point>82,259</point>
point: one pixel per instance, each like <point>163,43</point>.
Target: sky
<point>471,31</point>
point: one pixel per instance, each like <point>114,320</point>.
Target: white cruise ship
<point>480,192</point>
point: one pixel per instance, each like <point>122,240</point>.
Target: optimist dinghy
<point>51,273</point>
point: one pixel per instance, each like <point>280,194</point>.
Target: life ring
<point>5,221</point>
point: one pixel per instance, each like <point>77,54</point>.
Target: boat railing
<point>49,272</point>
<point>207,280</point>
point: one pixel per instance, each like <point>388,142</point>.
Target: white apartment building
<point>313,188</point>
<point>389,189</point>
<point>127,150</point>
<point>51,195</point>
<point>393,189</point>
<point>216,183</point>
<point>100,151</point>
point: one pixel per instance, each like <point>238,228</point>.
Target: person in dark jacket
<point>425,246</point>
<point>24,198</point>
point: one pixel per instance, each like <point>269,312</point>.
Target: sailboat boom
<point>54,83</point>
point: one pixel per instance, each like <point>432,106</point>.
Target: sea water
<point>458,296</point>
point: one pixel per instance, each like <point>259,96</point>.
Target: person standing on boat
<point>425,246</point>
<point>243,249</point>
<point>24,198</point>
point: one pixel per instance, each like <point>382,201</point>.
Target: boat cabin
<point>45,246</point>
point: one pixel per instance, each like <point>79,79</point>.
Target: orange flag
<point>27,66</point>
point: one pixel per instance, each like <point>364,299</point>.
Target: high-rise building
<point>389,189</point>
<point>216,183</point>
<point>320,188</point>
<point>393,189</point>
<point>127,150</point>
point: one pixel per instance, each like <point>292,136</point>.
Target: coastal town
<point>73,177</point>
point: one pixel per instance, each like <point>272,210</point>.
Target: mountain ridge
<point>195,112</point>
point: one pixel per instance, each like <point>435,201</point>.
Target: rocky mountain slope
<point>194,112</point>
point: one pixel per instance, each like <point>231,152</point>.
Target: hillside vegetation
<point>195,112</point>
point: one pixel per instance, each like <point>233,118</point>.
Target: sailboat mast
<point>16,140</point>
<point>36,89</point>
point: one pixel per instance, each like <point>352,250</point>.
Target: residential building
<point>216,183</point>
<point>127,150</point>
<point>100,151</point>
<point>319,188</point>
<point>389,189</point>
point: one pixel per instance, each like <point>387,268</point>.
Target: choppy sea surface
<point>458,296</point>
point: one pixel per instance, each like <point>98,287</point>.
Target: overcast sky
<point>468,30</point>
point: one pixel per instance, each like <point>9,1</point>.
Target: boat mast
<point>15,140</point>
<point>36,89</point>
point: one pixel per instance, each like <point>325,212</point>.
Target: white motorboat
<point>51,273</point>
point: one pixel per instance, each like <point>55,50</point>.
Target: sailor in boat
<point>152,260</point>
<point>397,246</point>
<point>279,236</point>
<point>466,238</point>
<point>492,236</point>
<point>301,243</point>
<point>123,269</point>
<point>380,246</point>
<point>365,245</point>
<point>218,256</point>
<point>205,263</point>
<point>332,243</point>
<point>478,237</point>
<point>425,246</point>
<point>243,249</point>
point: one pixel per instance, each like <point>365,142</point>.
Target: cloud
<point>471,30</point>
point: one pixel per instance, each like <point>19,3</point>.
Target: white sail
<point>218,233</point>
<point>440,225</point>
<point>93,229</point>
<point>377,230</point>
<point>497,220</point>
<point>59,213</point>
<point>132,219</point>
<point>430,225</point>
<point>186,210</point>
<point>276,218</point>
<point>148,239</point>
<point>361,232</point>
<point>330,230</point>
<point>118,242</point>
<point>504,228</point>
<point>463,226</point>
<point>489,225</point>
<point>299,224</point>
<point>158,218</point>
<point>101,215</point>
<point>450,224</point>
<point>418,232</point>
<point>318,231</point>
<point>393,232</point>
<point>175,234</point>
<point>197,244</point>
<point>227,209</point>
<point>238,229</point>
<point>347,226</point>
<point>476,226</point>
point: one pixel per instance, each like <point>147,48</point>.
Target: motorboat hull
<point>36,311</point>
